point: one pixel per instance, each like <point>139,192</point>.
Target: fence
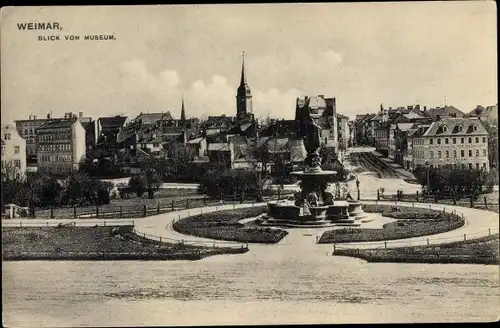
<point>111,211</point>
<point>481,203</point>
<point>415,241</point>
<point>65,223</point>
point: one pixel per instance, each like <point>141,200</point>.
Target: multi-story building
<point>60,146</point>
<point>27,129</point>
<point>398,143</point>
<point>13,151</point>
<point>451,141</point>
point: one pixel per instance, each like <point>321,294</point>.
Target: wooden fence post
<point>158,208</point>
<point>378,194</point>
<point>51,212</point>
<point>97,211</point>
<point>465,237</point>
<point>385,244</point>
<point>418,199</point>
<point>485,203</point>
<point>74,211</point>
<point>359,195</point>
<point>187,202</point>
<point>204,200</point>
<point>334,248</point>
<point>121,211</point>
<point>144,210</point>
<point>173,208</point>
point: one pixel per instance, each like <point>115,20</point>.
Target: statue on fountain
<point>310,132</point>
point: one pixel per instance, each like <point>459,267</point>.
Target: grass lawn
<point>480,251</point>
<point>97,241</point>
<point>223,225</point>
<point>411,222</point>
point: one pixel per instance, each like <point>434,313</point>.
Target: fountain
<point>314,206</point>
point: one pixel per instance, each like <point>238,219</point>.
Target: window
<point>474,127</point>
<point>462,153</point>
<point>6,136</point>
<point>17,163</point>
<point>470,152</point>
<point>470,165</point>
<point>446,140</point>
<point>477,166</point>
<point>431,141</point>
<point>484,165</point>
<point>431,154</point>
<point>460,128</point>
<point>26,131</point>
<point>462,140</point>
<point>454,154</point>
<point>477,139</point>
<point>454,140</point>
<point>470,140</point>
<point>439,141</point>
<point>447,153</point>
<point>484,139</point>
<point>16,149</point>
<point>439,154</point>
<point>484,152</point>
<point>445,128</point>
<point>477,152</point>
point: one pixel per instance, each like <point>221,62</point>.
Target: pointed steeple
<point>183,111</point>
<point>243,93</point>
<point>243,80</point>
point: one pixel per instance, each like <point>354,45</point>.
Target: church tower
<point>243,95</point>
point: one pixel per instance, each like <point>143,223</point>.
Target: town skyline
<point>397,54</point>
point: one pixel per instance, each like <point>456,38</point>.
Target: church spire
<point>183,111</point>
<point>243,94</point>
<point>243,81</point>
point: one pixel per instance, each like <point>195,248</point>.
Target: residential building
<point>446,111</point>
<point>60,146</point>
<point>107,128</point>
<point>398,143</point>
<point>13,151</point>
<point>451,141</point>
<point>486,114</point>
<point>27,129</point>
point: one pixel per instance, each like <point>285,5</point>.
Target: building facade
<point>13,150</point>
<point>60,146</point>
<point>451,141</point>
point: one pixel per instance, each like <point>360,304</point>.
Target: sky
<point>363,54</point>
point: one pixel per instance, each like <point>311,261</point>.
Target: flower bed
<point>95,243</point>
<point>223,225</point>
<point>411,222</point>
<point>483,250</point>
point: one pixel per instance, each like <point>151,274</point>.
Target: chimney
<point>80,114</point>
<point>425,109</point>
<point>34,117</point>
<point>48,115</point>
